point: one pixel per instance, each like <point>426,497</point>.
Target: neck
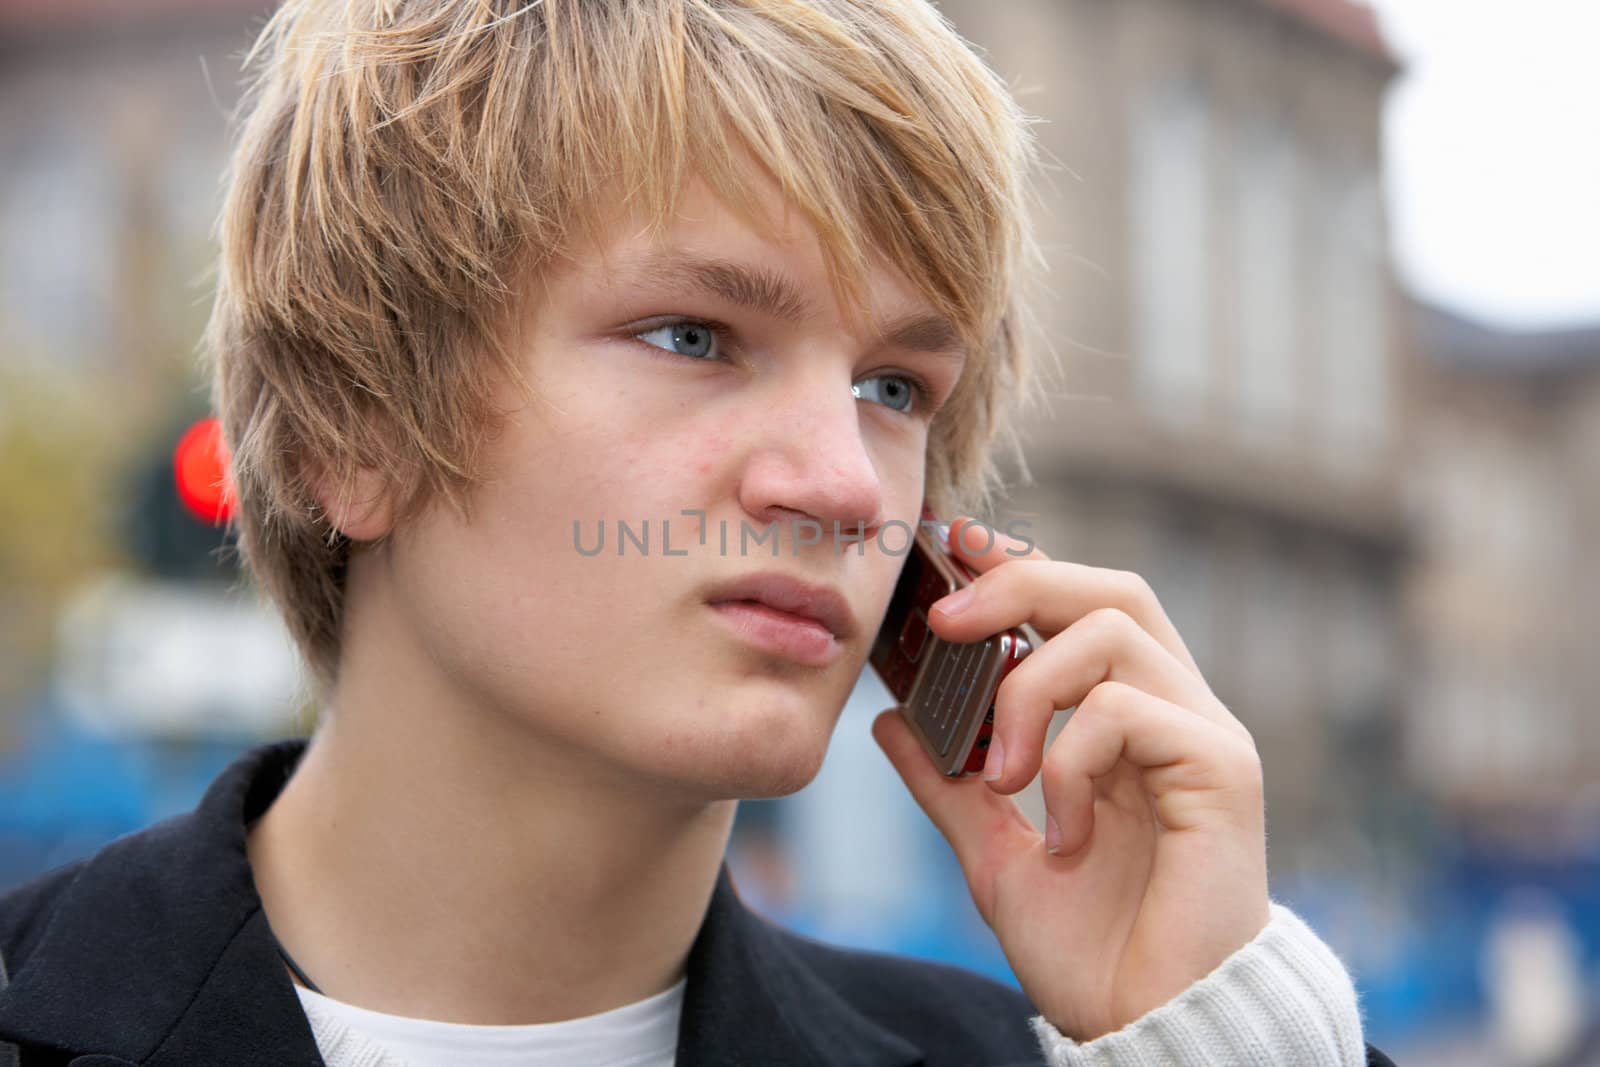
<point>430,862</point>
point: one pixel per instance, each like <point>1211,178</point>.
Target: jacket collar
<point>159,953</point>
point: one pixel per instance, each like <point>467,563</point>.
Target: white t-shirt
<point>641,1034</point>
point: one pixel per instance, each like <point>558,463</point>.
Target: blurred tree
<point>87,417</point>
<point>87,485</point>
<point>58,444</point>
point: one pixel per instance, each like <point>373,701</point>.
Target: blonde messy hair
<point>405,168</point>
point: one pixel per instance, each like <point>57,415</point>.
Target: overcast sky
<point>1494,156</point>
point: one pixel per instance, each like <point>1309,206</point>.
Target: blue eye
<point>894,391</point>
<point>696,340</point>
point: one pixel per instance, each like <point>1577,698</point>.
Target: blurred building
<point>1505,593</point>
<point>1229,415</point>
<point>112,119</point>
<point>1368,520</point>
<point>117,705</point>
<point>1227,418</point>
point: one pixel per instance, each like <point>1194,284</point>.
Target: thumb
<point>984,828</point>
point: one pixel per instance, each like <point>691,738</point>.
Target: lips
<point>781,593</point>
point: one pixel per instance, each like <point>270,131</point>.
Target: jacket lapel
<point>750,1001</point>
<point>159,953</point>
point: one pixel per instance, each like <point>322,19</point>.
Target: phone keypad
<point>949,691</point>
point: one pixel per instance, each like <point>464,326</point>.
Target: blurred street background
<point>1324,298</point>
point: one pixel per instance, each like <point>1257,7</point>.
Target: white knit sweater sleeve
<point>1283,998</point>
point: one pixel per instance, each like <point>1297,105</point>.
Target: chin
<point>761,747</point>
<point>778,775</point>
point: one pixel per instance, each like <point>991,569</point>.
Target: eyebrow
<point>771,293</point>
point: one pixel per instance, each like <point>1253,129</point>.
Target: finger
<point>984,829</point>
<point>1105,645</point>
<point>982,547</point>
<point>1051,595</point>
<point>1191,768</point>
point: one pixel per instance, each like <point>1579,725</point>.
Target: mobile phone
<point>945,690</point>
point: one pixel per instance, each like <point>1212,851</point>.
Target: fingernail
<point>1052,835</point>
<point>995,764</point>
<point>957,602</point>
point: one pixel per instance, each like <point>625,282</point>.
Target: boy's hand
<point>1160,873</point>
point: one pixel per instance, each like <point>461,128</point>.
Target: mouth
<point>786,617</point>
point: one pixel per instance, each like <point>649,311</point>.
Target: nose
<point>811,460</point>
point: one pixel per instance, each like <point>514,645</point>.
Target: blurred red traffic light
<point>200,463</point>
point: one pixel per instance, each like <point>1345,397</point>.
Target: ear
<point>360,506</point>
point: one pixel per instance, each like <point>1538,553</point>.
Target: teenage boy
<point>492,273</point>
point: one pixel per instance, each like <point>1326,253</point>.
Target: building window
<point>1171,287</point>
<point>1183,574</point>
<point>1273,607</point>
<point>1352,323</point>
<point>1265,393</point>
<point>56,261</point>
<point>1359,634</point>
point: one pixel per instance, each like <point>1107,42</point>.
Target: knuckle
<point>1025,694</point>
<point>1105,699</point>
<point>1242,765</point>
<point>1009,573</point>
<point>1009,583</point>
<point>995,584</point>
<point>1030,570</point>
<point>1242,732</point>
<point>1136,591</point>
<point>1109,623</point>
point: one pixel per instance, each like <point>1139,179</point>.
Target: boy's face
<point>657,395</point>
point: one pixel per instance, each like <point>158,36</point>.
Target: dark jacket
<point>156,951</point>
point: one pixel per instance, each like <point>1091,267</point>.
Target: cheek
<point>683,459</point>
<point>902,477</point>
<point>709,453</point>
